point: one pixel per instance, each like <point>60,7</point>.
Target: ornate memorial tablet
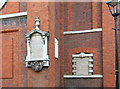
<point>37,48</point>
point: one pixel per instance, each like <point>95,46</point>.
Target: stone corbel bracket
<point>36,62</point>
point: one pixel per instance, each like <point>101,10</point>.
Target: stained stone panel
<point>82,66</point>
<point>36,45</point>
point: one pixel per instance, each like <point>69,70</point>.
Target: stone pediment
<point>43,33</point>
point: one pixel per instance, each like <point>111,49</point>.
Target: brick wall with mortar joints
<point>108,42</point>
<point>80,16</point>
<point>88,40</point>
<point>57,36</point>
<point>40,79</point>
<point>14,7</point>
<point>11,24</point>
<point>84,83</point>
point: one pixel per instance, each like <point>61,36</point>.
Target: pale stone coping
<point>13,15</point>
<point>82,31</point>
<point>83,76</point>
<point>82,55</point>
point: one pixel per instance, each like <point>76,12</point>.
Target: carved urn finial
<point>37,23</point>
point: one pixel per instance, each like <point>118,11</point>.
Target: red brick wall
<point>7,56</point>
<point>34,12</point>
<point>88,40</point>
<point>77,16</point>
<point>10,7</point>
<point>85,16</point>
<point>62,42</point>
<point>23,6</point>
<point>51,16</point>
<point>11,23</point>
<point>108,39</point>
<point>96,15</point>
<point>14,29</point>
<point>47,15</point>
<point>92,83</point>
<point>81,16</point>
<point>99,14</point>
<point>65,16</point>
<point>69,11</point>
<point>57,36</point>
<point>14,7</point>
<point>50,21</point>
<point>14,80</point>
<point>40,79</point>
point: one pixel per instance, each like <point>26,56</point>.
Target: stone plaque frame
<point>39,63</point>
<point>77,58</point>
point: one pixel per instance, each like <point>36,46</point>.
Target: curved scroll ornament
<point>37,51</point>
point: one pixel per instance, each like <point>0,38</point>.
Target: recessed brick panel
<point>15,28</point>
<point>81,16</point>
<point>92,83</point>
<point>84,42</point>
<point>7,58</point>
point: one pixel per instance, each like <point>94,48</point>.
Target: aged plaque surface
<point>36,45</point>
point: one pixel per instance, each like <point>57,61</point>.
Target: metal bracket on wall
<point>114,29</point>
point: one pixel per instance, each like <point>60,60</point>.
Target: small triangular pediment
<point>43,33</point>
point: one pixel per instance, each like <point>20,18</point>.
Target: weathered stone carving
<point>37,66</point>
<point>37,51</point>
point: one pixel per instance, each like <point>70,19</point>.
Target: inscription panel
<point>36,45</point>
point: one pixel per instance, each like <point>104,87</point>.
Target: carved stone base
<point>37,66</point>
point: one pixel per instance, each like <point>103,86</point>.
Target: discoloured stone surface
<point>36,45</point>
